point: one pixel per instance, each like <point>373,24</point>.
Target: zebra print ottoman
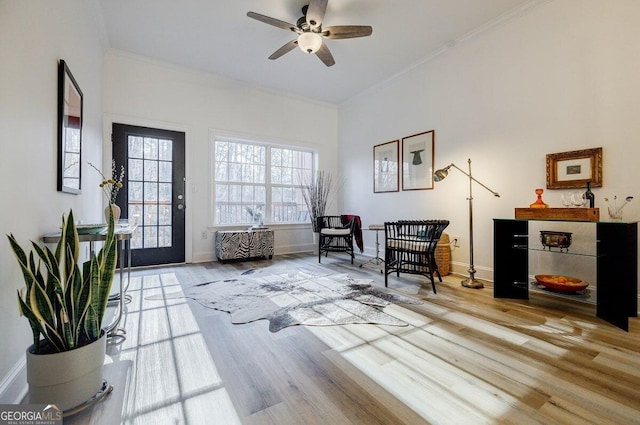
<point>244,244</point>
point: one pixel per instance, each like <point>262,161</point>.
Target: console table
<point>615,256</point>
<point>244,244</point>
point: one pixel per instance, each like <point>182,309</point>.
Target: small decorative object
<point>615,212</point>
<point>589,196</point>
<point>539,203</point>
<point>111,187</point>
<point>579,199</point>
<point>566,199</point>
<point>551,239</point>
<point>561,283</point>
<point>256,215</point>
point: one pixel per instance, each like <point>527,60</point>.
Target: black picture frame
<point>70,104</point>
<point>417,161</point>
<point>385,167</point>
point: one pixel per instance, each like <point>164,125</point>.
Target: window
<point>255,183</point>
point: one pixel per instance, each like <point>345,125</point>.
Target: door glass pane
<point>165,150</point>
<point>135,147</point>
<point>150,148</point>
<point>150,170</point>
<point>150,237</point>
<point>164,236</point>
<point>150,192</point>
<point>135,169</point>
<point>164,171</point>
<point>136,239</point>
<point>164,193</point>
<point>150,215</point>
<point>164,216</point>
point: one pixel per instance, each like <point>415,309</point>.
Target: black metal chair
<point>335,236</point>
<point>410,247</point>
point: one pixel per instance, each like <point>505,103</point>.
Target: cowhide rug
<point>296,298</point>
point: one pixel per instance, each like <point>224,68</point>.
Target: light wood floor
<point>465,358</point>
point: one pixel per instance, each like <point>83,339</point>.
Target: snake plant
<point>65,301</point>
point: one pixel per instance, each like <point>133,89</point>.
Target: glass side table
<point>376,261</point>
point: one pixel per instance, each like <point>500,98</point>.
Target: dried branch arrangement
<point>316,195</point>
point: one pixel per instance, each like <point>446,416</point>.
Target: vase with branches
<point>317,193</point>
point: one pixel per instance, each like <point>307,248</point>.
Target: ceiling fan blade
<point>347,31</point>
<point>325,55</point>
<point>273,21</point>
<point>315,13</point>
<point>284,49</point>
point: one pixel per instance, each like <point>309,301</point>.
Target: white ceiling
<point>216,36</point>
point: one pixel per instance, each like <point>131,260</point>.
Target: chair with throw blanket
<point>336,234</point>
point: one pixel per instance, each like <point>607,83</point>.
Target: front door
<point>153,195</point>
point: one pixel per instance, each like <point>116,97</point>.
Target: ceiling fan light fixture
<point>309,42</point>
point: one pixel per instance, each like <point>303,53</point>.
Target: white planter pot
<point>66,379</point>
<point>316,240</point>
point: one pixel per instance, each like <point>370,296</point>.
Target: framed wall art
<point>569,170</point>
<point>385,167</point>
<point>417,161</point>
<point>69,131</point>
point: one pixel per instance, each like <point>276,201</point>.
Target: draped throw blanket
<point>357,229</point>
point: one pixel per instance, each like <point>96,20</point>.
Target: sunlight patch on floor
<point>174,378</point>
<point>430,383</point>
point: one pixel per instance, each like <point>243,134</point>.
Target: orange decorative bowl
<point>561,283</point>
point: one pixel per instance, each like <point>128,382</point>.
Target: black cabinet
<point>616,263</point>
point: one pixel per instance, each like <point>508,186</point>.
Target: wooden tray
<point>568,214</point>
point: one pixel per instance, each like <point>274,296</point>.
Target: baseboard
<point>483,273</point>
<point>13,387</point>
<point>204,257</point>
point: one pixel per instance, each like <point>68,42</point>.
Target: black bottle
<point>589,196</point>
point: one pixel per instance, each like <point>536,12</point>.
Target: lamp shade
<point>309,42</point>
<point>440,174</point>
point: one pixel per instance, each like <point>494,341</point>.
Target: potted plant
<point>65,302</point>
<point>316,194</point>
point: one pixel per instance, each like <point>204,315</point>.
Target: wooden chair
<point>335,236</point>
<point>410,247</point>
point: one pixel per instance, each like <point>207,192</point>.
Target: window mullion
<point>267,182</point>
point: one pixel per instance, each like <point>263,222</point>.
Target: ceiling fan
<point>310,31</point>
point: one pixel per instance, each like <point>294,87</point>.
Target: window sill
<point>279,226</point>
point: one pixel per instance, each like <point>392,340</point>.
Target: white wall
<point>560,76</point>
<point>144,92</point>
<point>34,35</point>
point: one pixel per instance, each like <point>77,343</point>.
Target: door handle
<point>182,206</point>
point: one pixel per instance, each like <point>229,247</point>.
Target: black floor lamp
<point>439,175</point>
